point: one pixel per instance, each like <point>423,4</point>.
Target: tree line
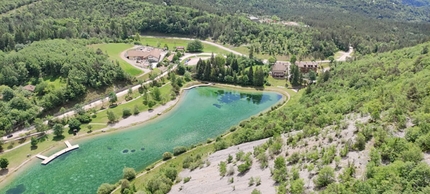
<point>232,70</point>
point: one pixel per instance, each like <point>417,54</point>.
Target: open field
<point>114,50</point>
<point>160,42</point>
<point>244,50</point>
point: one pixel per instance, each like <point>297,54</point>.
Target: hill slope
<point>364,127</point>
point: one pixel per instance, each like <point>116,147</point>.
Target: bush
<point>129,173</point>
<point>222,168</point>
<point>136,110</point>
<point>167,155</point>
<point>220,145</point>
<point>255,191</point>
<point>187,179</point>
<point>179,150</point>
<point>171,173</point>
<point>85,118</point>
<point>126,112</point>
<point>244,167</point>
<point>105,188</point>
<point>325,177</point>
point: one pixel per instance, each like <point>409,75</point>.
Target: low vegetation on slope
<point>367,121</point>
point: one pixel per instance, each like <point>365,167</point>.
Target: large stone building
<point>306,66</point>
<point>280,69</point>
<point>152,55</point>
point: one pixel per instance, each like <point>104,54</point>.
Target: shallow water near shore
<point>202,113</point>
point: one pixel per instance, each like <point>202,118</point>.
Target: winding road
<point>17,134</point>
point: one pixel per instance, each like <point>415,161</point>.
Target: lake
<point>201,113</point>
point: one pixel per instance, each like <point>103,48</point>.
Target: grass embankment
<point>102,116</point>
<point>203,149</point>
<point>114,50</point>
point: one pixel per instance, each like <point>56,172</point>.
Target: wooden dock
<point>47,160</point>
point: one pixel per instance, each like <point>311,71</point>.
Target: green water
<point>202,113</point>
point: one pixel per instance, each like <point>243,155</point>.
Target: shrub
<point>325,177</point>
<point>257,181</point>
<point>255,191</point>
<point>179,150</point>
<point>167,155</point>
<point>85,118</point>
<point>231,180</point>
<point>239,155</point>
<point>220,145</point>
<point>171,173</point>
<point>229,159</point>
<point>136,110</point>
<point>244,167</point>
<point>294,158</point>
<point>187,179</point>
<point>105,188</point>
<point>297,186</point>
<point>126,112</point>
<point>129,173</point>
<point>251,181</point>
<point>222,168</point>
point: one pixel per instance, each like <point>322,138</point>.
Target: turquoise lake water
<point>202,113</point>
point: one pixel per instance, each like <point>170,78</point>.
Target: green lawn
<point>244,50</point>
<point>160,42</point>
<point>114,50</point>
<point>102,116</point>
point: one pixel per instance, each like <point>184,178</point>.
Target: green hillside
<point>394,90</point>
<point>61,71</point>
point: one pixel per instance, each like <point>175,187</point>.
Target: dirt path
<point>345,55</point>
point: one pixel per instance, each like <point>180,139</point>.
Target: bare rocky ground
<point>208,179</point>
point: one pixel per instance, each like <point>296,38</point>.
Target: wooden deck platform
<point>47,160</point>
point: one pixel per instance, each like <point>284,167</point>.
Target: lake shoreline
<point>129,123</point>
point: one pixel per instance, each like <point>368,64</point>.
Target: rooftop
<point>280,66</point>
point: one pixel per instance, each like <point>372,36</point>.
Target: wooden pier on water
<point>46,160</point>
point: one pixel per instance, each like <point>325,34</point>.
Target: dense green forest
<point>370,27</point>
<point>61,71</point>
<point>119,20</point>
<point>232,70</point>
<point>6,5</point>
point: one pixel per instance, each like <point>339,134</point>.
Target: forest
<point>87,19</point>
<point>369,27</point>
<point>60,70</point>
<point>116,21</point>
